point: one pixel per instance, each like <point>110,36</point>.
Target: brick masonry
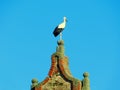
<point>59,76</point>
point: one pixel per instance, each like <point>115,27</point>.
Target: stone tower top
<point>60,49</point>
<point>60,42</point>
<point>59,76</point>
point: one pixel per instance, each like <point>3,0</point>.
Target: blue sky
<point>92,40</point>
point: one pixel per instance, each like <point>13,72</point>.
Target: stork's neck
<point>62,25</point>
<point>64,21</point>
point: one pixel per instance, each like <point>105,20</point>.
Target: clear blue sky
<point>92,40</point>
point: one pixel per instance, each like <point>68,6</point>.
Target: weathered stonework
<point>86,82</point>
<point>59,76</point>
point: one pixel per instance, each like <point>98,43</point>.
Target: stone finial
<point>60,42</point>
<point>86,82</point>
<point>34,82</point>
<point>60,48</point>
<point>85,74</point>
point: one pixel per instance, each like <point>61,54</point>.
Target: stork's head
<point>65,19</point>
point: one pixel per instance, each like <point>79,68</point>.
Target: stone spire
<point>59,76</point>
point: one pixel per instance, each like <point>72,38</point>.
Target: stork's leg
<point>61,36</point>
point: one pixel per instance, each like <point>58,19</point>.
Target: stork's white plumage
<point>60,27</point>
<point>63,24</point>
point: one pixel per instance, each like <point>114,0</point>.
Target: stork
<point>58,30</point>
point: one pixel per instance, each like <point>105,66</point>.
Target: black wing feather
<point>57,31</point>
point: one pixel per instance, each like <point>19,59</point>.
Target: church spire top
<point>60,48</point>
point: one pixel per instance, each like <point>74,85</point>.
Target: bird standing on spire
<point>58,30</point>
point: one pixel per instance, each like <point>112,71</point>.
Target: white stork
<point>60,28</point>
